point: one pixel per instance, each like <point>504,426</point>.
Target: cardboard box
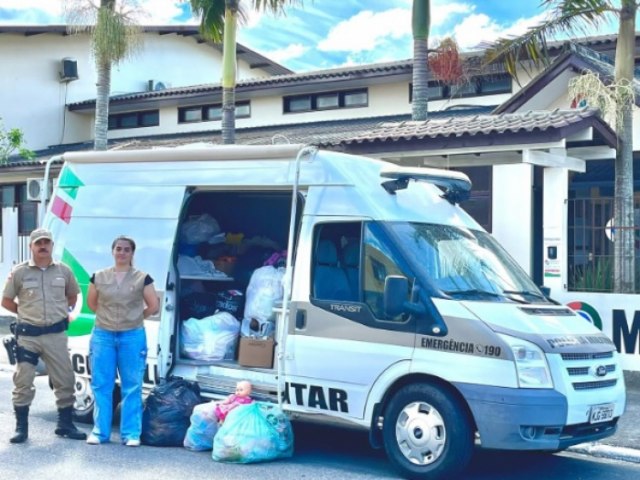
<point>256,352</point>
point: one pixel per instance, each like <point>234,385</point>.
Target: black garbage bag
<point>197,305</point>
<point>167,409</point>
<point>231,301</point>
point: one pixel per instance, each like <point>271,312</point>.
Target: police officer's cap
<point>39,234</point>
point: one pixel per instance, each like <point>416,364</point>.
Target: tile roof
<point>327,132</point>
<point>472,125</point>
<point>403,67</point>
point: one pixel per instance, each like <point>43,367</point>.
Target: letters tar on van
<point>315,396</point>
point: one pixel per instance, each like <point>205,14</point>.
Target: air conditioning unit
<point>68,69</point>
<point>34,189</point>
<point>157,85</point>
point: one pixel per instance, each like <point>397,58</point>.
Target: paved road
<point>320,453</point>
<point>624,445</point>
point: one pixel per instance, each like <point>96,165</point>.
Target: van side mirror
<point>395,294</point>
<point>396,288</point>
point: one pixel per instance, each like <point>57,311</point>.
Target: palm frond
<point>274,6</point>
<point>211,14</point>
<point>115,34</point>
<point>574,17</point>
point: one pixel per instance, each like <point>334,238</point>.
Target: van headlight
<point>531,363</point>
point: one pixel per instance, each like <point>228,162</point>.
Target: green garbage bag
<point>256,432</point>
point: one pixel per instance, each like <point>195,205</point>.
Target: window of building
<point>490,85</point>
<point>326,100</point>
<point>149,118</point>
<point>435,91</point>
<point>191,115</point>
<point>27,212</point>
<point>465,89</point>
<point>355,99</point>
<point>591,232</point>
<point>208,113</point>
<point>495,84</point>
<point>331,100</point>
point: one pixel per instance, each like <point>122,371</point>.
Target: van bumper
<point>525,419</point>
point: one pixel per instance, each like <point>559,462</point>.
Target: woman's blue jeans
<point>124,353</point>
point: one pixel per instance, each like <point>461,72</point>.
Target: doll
<point>241,397</point>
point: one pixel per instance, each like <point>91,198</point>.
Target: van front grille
<point>594,385</point>
<point>588,371</point>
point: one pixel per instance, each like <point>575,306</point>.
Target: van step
<point>224,385</point>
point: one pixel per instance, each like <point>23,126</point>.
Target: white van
<point>400,315</point>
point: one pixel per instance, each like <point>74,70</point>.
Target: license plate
<point>601,413</point>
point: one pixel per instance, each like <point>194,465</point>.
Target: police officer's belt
<point>28,330</point>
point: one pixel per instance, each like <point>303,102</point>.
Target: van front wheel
<point>427,433</point>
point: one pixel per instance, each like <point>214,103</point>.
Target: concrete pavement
<point>621,446</point>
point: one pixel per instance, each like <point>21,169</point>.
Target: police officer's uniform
<point>42,320</point>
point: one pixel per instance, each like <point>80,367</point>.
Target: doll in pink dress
<point>241,397</point>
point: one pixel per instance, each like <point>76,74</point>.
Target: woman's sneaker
<point>93,440</point>
<point>132,443</point>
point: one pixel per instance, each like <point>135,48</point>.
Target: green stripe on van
<point>83,323</point>
<point>69,182</point>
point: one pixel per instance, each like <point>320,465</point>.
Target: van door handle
<point>169,307</point>
<point>301,319</point>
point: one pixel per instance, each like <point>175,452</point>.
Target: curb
<point>607,451</point>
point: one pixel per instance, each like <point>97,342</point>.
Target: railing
<point>591,245</point>
<point>24,253</point>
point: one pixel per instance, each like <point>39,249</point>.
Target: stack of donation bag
<point>265,290</point>
<point>255,432</point>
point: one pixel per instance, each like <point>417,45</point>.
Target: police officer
<point>41,291</point>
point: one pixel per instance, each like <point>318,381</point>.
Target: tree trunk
<point>228,116</point>
<point>420,23</point>
<point>624,248</point>
<point>420,99</point>
<point>229,75</point>
<point>102,105</point>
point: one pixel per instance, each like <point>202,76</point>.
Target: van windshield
<point>464,264</point>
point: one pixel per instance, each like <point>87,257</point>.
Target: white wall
<point>512,207</point>
<point>32,97</point>
<point>9,240</point>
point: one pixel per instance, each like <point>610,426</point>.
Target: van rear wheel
<point>84,401</point>
<point>427,433</point>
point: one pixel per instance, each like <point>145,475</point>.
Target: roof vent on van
<point>456,185</point>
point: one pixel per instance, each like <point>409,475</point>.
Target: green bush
<point>597,276</point>
<point>12,141</point>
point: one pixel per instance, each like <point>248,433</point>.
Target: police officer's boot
<point>22,424</point>
<point>66,428</point>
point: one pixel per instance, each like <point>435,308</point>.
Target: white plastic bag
<point>264,290</point>
<point>199,228</point>
<point>211,338</point>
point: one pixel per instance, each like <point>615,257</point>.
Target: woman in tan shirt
<point>122,297</point>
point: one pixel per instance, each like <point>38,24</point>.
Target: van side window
<point>336,262</point>
<point>379,262</point>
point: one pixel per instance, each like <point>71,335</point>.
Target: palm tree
<point>571,16</point>
<point>219,21</point>
<point>420,23</point>
<point>114,37</point>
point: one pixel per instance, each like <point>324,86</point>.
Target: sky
<point>331,33</point>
